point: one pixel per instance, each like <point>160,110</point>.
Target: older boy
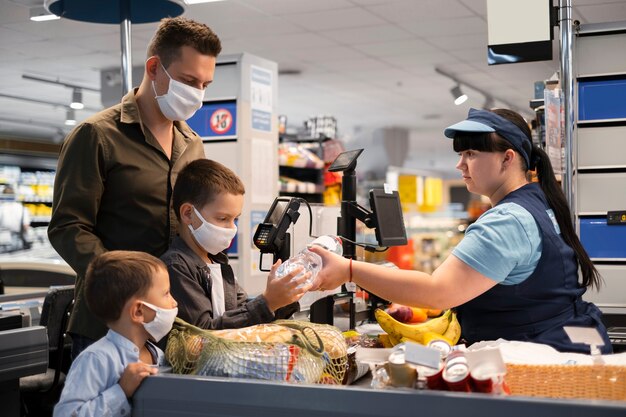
<point>208,198</point>
<point>130,292</point>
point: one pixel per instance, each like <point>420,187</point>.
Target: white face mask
<point>181,100</point>
<point>210,237</point>
<point>162,322</point>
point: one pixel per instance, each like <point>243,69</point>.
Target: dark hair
<point>201,181</point>
<point>115,277</point>
<point>492,142</point>
<point>174,33</point>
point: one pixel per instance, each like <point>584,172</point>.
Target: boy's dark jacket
<point>190,282</point>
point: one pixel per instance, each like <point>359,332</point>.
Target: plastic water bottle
<point>310,261</point>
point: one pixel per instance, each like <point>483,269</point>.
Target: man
<point>116,170</point>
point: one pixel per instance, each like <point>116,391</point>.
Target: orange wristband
<point>350,270</point>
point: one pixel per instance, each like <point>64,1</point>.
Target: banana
<point>385,340</point>
<point>393,341</point>
<point>414,332</point>
<point>430,336</point>
<point>453,332</point>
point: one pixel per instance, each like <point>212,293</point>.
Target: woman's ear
<point>509,157</point>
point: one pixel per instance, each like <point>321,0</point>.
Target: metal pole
<point>125,35</point>
<point>567,82</point>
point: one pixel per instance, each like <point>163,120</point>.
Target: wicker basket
<point>568,381</point>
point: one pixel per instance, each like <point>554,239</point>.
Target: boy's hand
<point>133,375</point>
<point>280,292</point>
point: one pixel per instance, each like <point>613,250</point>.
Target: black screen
<point>390,230</point>
<point>344,160</point>
<point>277,212</point>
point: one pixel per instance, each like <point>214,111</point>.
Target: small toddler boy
<point>130,292</point>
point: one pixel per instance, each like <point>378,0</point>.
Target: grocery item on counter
<point>446,326</point>
<point>406,314</point>
<point>286,350</point>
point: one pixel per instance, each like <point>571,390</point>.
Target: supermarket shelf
<point>35,200</point>
<point>40,219</point>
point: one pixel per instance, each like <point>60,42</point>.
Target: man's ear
<point>152,64</point>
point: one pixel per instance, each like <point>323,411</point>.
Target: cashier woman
<point>515,275</point>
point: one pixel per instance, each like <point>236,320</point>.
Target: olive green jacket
<point>113,190</point>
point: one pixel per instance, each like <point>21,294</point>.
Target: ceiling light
<point>200,1</point>
<point>459,97</point>
<point>70,117</point>
<point>77,99</point>
<point>40,14</point>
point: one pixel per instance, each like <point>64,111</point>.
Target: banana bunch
<point>445,327</point>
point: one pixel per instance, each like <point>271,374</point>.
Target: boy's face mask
<point>181,100</point>
<point>212,238</point>
<point>162,322</point>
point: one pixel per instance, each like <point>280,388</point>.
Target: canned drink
<point>442,346</point>
<point>482,379</point>
<point>456,372</point>
<point>432,377</point>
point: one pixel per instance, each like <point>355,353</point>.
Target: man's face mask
<point>181,100</point>
<point>211,238</point>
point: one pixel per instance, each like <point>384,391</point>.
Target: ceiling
<point>369,63</point>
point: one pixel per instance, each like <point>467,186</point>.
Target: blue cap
<point>484,121</point>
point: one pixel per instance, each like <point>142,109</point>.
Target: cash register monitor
<point>345,161</point>
<point>390,230</point>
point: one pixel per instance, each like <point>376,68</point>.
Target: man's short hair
<point>201,181</point>
<point>115,277</point>
<point>175,32</point>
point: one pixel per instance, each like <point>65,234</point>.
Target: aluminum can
<point>456,372</point>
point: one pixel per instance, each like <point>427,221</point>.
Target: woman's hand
<point>280,292</point>
<point>335,269</point>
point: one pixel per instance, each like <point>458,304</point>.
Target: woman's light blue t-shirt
<point>504,244</point>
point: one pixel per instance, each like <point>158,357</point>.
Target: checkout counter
<point>26,277</point>
<point>167,395</point>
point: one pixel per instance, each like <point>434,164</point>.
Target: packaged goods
<point>286,350</point>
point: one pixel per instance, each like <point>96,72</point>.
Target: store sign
<point>216,120</point>
<point>221,121</point>
<point>261,98</point>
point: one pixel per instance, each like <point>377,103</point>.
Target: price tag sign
<point>586,335</point>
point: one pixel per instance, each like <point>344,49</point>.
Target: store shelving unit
<point>600,163</point>
<point>311,187</point>
<point>32,179</point>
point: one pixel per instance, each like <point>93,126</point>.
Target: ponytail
<point>558,203</point>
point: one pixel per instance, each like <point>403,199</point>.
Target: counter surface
<point>174,395</point>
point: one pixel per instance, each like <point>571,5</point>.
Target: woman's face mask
<point>211,238</point>
<point>162,323</point>
<point>181,100</point>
